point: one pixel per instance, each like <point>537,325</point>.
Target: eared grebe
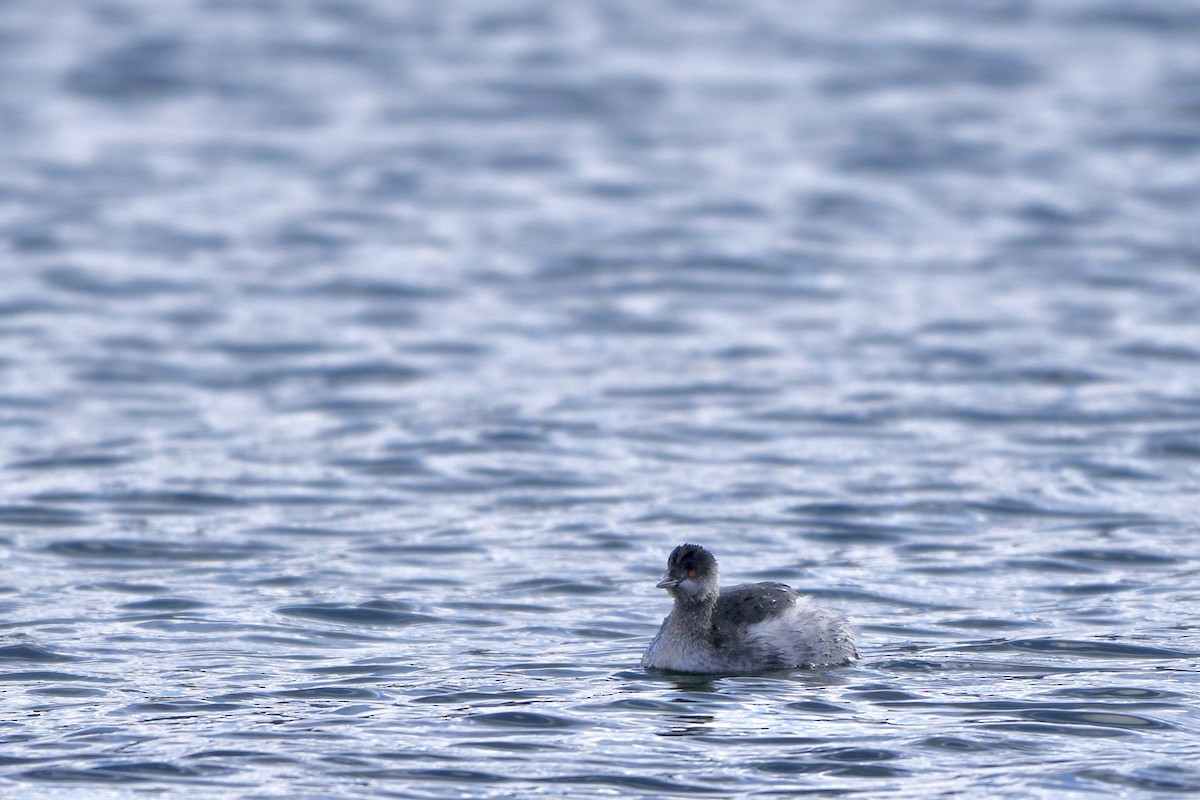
<point>752,627</point>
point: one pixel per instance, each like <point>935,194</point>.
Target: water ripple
<point>31,652</point>
<point>524,720</point>
<point>149,551</point>
<point>374,612</point>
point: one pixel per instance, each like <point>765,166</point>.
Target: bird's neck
<point>693,616</point>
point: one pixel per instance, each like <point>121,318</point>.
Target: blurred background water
<point>361,361</point>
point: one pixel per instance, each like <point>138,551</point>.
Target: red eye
<point>691,573</point>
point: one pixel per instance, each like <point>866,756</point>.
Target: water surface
<point>361,362</point>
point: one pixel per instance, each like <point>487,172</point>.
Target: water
<point>361,362</point>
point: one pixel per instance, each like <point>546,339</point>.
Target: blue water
<point>361,362</point>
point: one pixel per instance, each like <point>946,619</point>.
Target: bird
<point>751,627</point>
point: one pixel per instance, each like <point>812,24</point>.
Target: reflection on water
<point>360,362</point>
